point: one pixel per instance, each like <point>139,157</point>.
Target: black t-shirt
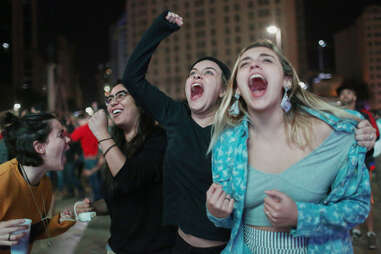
<point>135,204</point>
<point>187,168</point>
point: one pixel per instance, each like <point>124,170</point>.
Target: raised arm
<point>130,173</point>
<point>146,94</point>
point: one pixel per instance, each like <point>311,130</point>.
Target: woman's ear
<point>222,93</point>
<point>287,83</point>
<point>39,147</point>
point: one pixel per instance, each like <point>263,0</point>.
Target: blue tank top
<point>308,180</point>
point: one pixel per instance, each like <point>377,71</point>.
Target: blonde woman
<point>288,175</point>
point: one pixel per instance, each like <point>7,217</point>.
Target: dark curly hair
<point>20,133</point>
<point>146,125</point>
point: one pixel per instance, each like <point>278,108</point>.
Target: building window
<point>199,23</point>
<point>198,2</point>
<point>199,13</point>
<point>200,34</point>
<point>226,8</point>
<point>263,2</point>
<point>201,54</point>
<point>227,20</point>
<point>263,12</point>
<point>236,17</point>
<point>201,44</point>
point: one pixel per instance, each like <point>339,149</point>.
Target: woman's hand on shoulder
<point>174,18</point>
<point>365,134</point>
<point>219,204</point>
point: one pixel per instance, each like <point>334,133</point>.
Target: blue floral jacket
<point>326,224</point>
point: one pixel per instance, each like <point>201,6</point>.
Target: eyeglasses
<point>119,96</point>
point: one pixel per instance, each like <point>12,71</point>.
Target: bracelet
<point>108,149</point>
<point>100,141</point>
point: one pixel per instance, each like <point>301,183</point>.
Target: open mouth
<point>257,85</point>
<point>116,112</point>
<point>196,91</point>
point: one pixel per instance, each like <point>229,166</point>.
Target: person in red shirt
<point>89,145</point>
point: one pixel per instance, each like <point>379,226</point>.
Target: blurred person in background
<point>3,147</point>
<point>347,94</point>
<point>91,158</point>
<point>72,166</point>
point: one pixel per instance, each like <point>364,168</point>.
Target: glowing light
<point>322,43</point>
<point>272,29</point>
<point>16,107</point>
<point>90,111</point>
<point>5,45</point>
<point>107,89</point>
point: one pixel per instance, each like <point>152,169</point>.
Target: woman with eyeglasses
<point>134,152</point>
<point>39,143</point>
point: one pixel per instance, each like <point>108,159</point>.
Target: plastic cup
<point>86,216</point>
<point>22,246</point>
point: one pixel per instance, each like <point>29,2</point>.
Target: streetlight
<point>5,45</point>
<point>16,107</point>
<point>278,37</point>
<point>322,44</point>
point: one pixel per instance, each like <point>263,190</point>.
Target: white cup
<point>85,216</point>
<point>22,246</point>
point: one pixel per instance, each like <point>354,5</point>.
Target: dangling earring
<point>286,104</point>
<point>234,109</point>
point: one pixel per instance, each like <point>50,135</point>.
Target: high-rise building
<point>118,35</point>
<point>219,28</point>
<point>358,52</point>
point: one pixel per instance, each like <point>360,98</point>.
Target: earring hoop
<point>286,104</point>
<point>234,109</point>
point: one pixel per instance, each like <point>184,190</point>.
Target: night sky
<point>86,23</point>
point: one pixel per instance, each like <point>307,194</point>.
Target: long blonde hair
<point>298,122</point>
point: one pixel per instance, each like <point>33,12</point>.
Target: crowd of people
<point>252,162</point>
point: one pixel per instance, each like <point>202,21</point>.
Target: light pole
<point>322,44</point>
<point>278,36</point>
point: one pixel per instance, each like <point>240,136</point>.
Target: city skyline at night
<point>87,30</point>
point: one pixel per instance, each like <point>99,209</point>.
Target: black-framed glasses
<point>118,97</point>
